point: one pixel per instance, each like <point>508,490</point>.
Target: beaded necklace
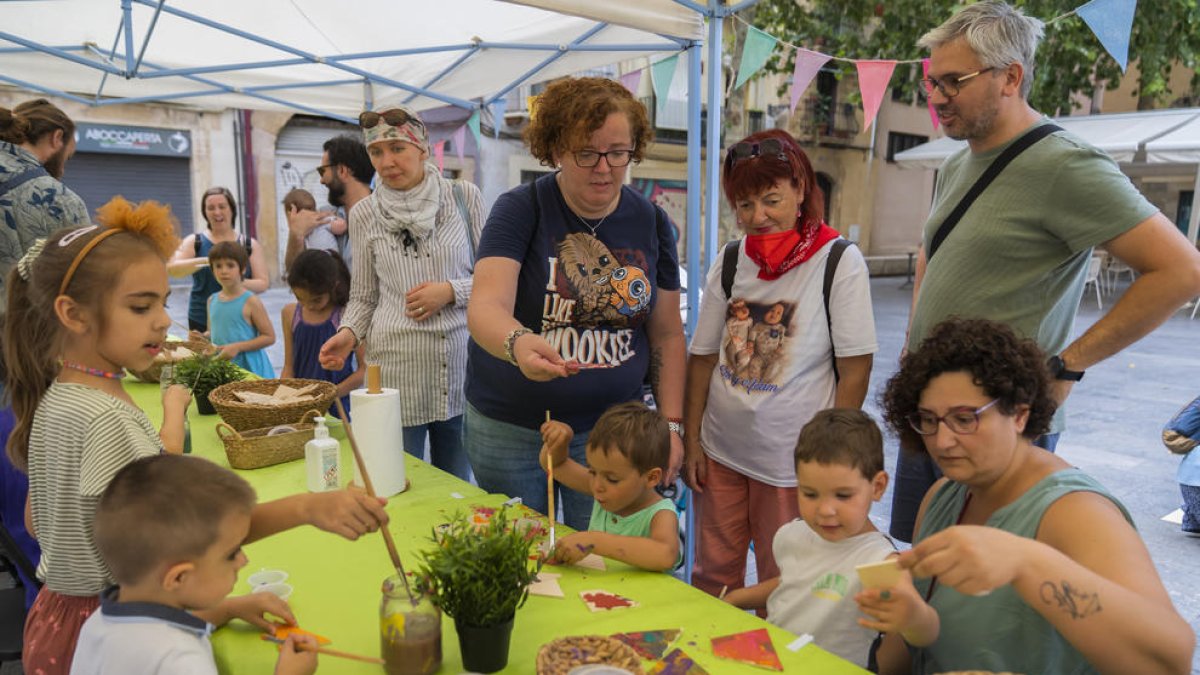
<point>119,375</point>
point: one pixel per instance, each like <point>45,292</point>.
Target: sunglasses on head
<point>770,147</point>
<point>395,118</point>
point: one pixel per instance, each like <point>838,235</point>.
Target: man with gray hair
<point>1019,253</point>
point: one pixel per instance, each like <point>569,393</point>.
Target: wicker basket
<point>257,448</point>
<point>559,656</point>
<point>244,416</point>
<point>154,372</point>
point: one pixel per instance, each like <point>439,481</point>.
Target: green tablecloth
<point>337,582</point>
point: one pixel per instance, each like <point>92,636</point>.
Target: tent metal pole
<point>695,191</point>
<point>562,50</point>
<point>149,32</point>
<point>45,90</point>
<point>127,22</point>
<point>446,71</point>
<point>716,91</point>
<point>61,53</point>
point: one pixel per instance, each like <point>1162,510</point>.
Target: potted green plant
<point>204,372</point>
<point>479,575</point>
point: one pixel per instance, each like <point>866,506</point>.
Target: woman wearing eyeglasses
<point>413,242</point>
<point>219,209</point>
<point>762,360</point>
<point>576,295</point>
<point>1023,563</point>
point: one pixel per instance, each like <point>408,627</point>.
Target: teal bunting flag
<point>755,53</point>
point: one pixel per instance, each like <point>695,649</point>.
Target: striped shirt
<point>425,360</point>
<point>80,438</point>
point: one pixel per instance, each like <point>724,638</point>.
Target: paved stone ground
<point>1115,418</point>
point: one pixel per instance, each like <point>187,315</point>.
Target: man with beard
<point>346,172</point>
<point>36,140</point>
<point>1020,252</point>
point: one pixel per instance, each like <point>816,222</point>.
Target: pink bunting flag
<point>808,63</point>
<point>460,140</point>
<point>439,153</point>
<point>932,113</point>
<point>632,81</point>
<point>873,77</point>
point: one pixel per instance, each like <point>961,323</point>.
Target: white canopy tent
<point>1140,141</point>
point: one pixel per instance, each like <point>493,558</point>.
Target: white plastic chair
<point>1093,278</point>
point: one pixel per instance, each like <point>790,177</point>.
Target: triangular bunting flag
<point>439,153</point>
<point>753,647</point>
<point>473,125</point>
<point>460,141</point>
<point>755,53</point>
<point>661,74</point>
<point>499,106</point>
<point>808,63</point>
<point>932,113</point>
<point>873,77</point>
<point>1111,21</point>
<point>632,81</point>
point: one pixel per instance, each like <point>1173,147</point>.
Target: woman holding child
<point>1028,564</point>
<point>770,350</point>
<point>219,209</point>
<point>413,243</point>
<point>577,296</point>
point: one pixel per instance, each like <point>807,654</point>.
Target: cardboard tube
<point>373,378</point>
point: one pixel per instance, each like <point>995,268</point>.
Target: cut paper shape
<point>873,77</point>
<point>677,663</point>
<point>282,633</point>
<point>928,103</point>
<point>632,81</point>
<point>460,141</point>
<point>547,585</point>
<point>753,647</point>
<point>800,643</point>
<point>604,601</point>
<point>755,52</point>
<point>649,644</point>
<point>661,74</point>
<point>883,574</point>
<point>1111,21</point>
<point>592,561</point>
<point>808,64</point>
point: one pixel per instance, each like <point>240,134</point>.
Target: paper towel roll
<point>379,431</point>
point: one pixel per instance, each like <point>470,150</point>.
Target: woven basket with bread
<point>256,404</point>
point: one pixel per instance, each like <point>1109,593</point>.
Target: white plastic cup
<point>280,589</point>
<point>264,577</point>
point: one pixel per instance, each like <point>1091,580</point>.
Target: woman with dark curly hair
<point>1024,563</point>
<point>576,295</point>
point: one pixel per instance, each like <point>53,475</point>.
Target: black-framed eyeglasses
<point>958,420</point>
<point>768,147</point>
<point>395,118</point>
<point>322,169</point>
<point>950,86</point>
<point>587,159</point>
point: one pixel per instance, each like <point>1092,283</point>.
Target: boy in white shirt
<point>171,527</point>
<point>839,472</point>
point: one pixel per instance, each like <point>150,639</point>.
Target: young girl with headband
<point>84,306</point>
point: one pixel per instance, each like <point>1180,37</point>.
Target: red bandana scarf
<point>778,252</point>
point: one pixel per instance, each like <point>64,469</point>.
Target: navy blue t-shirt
<point>589,296</point>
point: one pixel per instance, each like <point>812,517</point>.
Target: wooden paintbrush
<point>550,510</point>
<point>304,647</point>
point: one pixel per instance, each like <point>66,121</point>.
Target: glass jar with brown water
<point>410,630</point>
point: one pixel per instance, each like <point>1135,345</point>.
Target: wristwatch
<point>510,341</point>
<point>1058,370</point>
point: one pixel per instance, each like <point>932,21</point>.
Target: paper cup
<point>264,577</point>
<point>280,589</point>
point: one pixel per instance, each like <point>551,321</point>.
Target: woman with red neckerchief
<point>766,357</point>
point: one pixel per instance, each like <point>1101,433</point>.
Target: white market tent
<point>1142,142</point>
<point>339,58</point>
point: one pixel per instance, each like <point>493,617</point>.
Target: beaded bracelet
<point>510,341</point>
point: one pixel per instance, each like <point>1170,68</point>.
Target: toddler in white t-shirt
<point>839,473</point>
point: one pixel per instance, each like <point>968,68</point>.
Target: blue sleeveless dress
<point>307,339</point>
<point>228,325</point>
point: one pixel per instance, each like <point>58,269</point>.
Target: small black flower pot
<point>484,650</point>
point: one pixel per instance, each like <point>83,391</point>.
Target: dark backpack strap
<point>998,164</point>
<point>729,267</point>
<point>831,264</point>
<point>22,178</point>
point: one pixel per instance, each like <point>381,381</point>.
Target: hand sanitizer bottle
<point>321,457</point>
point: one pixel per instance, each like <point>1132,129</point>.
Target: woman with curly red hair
<point>1024,563</point>
<point>770,350</point>
<point>576,296</point>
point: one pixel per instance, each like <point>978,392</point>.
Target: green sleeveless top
<point>999,632</point>
<point>634,525</point>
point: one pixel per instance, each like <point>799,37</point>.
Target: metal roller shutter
<point>98,177</point>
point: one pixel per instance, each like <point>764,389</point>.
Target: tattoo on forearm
<point>1076,603</point>
<point>656,360</point>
